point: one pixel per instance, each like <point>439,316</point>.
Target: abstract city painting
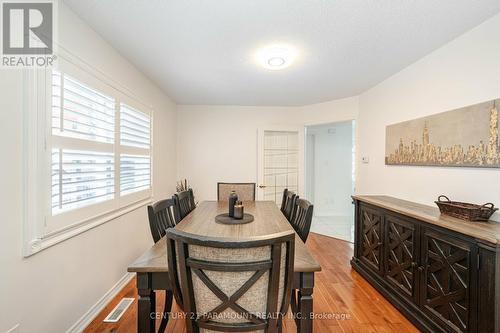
<point>465,137</point>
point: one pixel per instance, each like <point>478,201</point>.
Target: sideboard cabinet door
<point>370,243</point>
<point>400,251</point>
<point>446,279</point>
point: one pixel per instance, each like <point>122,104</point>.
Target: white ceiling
<point>201,52</point>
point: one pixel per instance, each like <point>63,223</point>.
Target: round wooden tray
<point>225,219</point>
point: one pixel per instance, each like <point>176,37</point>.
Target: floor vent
<point>119,310</point>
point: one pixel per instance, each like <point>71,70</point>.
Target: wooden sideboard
<point>441,272</point>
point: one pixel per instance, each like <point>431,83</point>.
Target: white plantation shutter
<point>81,178</point>
<point>83,122</point>
<point>135,173</point>
<point>87,149</point>
<point>100,151</point>
<point>135,128</point>
<point>135,158</point>
<point>81,112</point>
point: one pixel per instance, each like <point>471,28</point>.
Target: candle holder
<point>238,210</point>
<point>239,215</point>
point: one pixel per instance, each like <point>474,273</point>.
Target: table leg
<point>146,304</point>
<point>305,303</point>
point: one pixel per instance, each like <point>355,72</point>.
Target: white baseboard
<point>87,318</point>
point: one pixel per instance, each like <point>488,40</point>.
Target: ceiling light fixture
<point>276,56</point>
<point>276,61</point>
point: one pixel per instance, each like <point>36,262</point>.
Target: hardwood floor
<point>347,302</point>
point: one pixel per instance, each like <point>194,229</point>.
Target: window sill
<point>40,244</point>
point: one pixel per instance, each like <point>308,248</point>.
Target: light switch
<point>365,159</point>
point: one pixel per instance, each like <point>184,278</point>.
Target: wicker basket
<point>465,211</point>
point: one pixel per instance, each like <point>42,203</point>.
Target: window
<point>95,161</point>
<point>134,128</point>
<point>135,173</point>
<point>79,111</point>
<point>81,178</point>
<point>83,133</point>
<point>135,169</point>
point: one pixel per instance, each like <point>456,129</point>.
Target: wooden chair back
<point>302,218</point>
<point>162,215</point>
<point>214,278</point>
<point>288,203</point>
<point>245,191</point>
<point>185,202</point>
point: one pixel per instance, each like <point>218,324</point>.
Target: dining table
<point>151,267</point>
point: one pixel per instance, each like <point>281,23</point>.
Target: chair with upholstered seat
<point>162,216</point>
<point>231,285</point>
<point>245,191</point>
<point>185,202</point>
<point>302,218</point>
<point>288,203</point>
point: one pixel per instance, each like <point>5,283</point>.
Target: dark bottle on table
<point>233,197</point>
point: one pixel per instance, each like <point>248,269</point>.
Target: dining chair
<point>214,278</point>
<point>288,203</point>
<point>185,202</point>
<point>302,218</point>
<point>162,216</point>
<point>245,191</point>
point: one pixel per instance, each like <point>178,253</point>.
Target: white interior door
<point>280,163</point>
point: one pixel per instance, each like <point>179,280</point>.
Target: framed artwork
<point>465,137</point>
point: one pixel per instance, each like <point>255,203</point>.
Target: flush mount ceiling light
<point>276,57</point>
<point>276,62</point>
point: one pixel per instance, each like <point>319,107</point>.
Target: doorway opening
<point>330,177</point>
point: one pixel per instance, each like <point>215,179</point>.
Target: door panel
<point>279,155</point>
<point>371,237</point>
<point>400,248</point>
<point>445,289</point>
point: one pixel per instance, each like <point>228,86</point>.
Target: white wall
<point>331,167</point>
<point>464,72</point>
<point>219,143</point>
<point>51,290</point>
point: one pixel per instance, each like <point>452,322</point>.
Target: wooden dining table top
<point>268,220</point>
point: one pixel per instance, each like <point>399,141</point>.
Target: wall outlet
<point>365,159</point>
<point>14,329</point>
